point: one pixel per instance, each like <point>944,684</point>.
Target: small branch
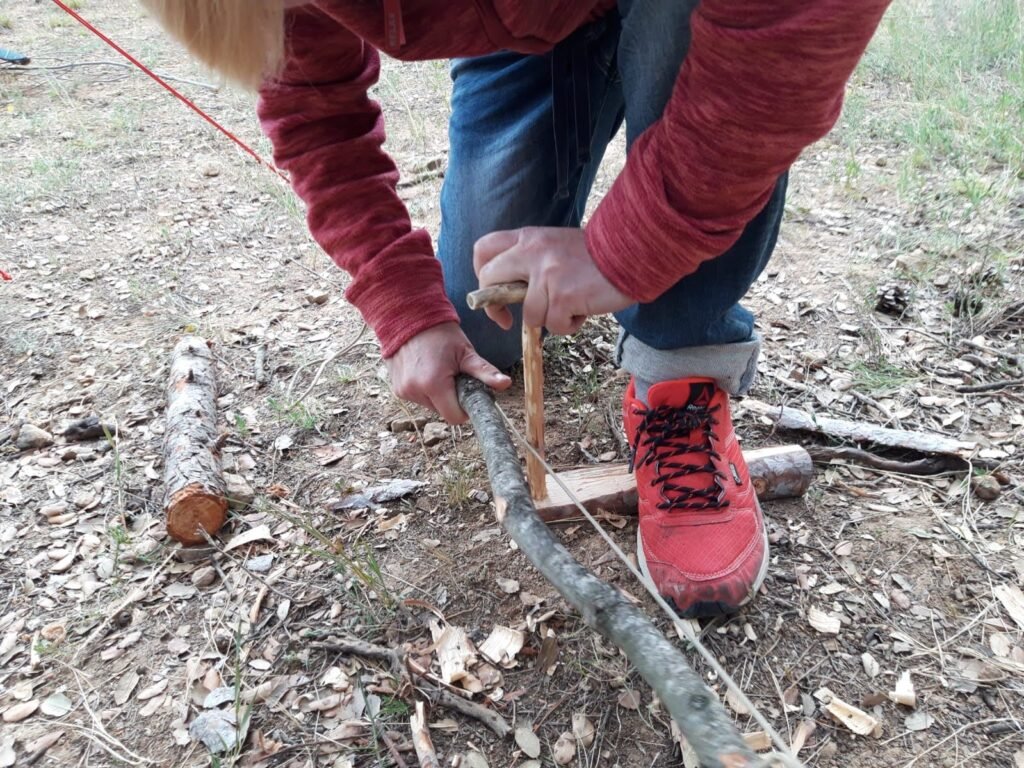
<point>395,659</point>
<point>933,465</point>
<point>991,386</point>
<point>421,738</point>
<point>393,750</point>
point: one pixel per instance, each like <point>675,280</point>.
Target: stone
<point>317,296</point>
<point>986,488</point>
<point>240,493</point>
<point>434,433</point>
<point>32,437</point>
<point>204,576</point>
<point>406,424</point>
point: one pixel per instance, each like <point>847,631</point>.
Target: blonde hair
<point>241,39</point>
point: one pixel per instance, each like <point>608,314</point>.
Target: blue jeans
<point>527,134</point>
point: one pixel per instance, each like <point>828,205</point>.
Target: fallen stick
<point>421,738</point>
<point>395,658</point>
<point>925,442</point>
<point>930,465</point>
<point>779,472</point>
<point>696,710</point>
<point>195,497</point>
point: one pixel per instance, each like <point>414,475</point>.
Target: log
<point>858,432</point>
<point>195,499</point>
<point>779,472</point>
<point>696,710</point>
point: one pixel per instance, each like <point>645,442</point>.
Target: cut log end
<point>193,509</point>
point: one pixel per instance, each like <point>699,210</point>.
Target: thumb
<point>480,369</point>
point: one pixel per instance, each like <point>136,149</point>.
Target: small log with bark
<point>696,710</point>
<point>779,472</point>
<point>195,500</point>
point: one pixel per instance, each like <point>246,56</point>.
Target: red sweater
<point>763,79</point>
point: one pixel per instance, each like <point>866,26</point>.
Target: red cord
<point>190,104</point>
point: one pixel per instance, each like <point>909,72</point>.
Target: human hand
<point>564,283</point>
<point>423,370</point>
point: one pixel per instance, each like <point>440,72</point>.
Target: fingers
<point>501,315</point>
<point>478,368</point>
<point>445,401</point>
<point>492,245</point>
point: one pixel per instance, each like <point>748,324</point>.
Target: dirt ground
<point>126,222</point>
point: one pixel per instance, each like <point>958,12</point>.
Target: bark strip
<point>695,709</point>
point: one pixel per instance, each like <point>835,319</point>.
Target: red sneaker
<point>701,539</point>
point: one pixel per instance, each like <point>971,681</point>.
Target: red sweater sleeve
<point>327,133</point>
<point>763,79</point>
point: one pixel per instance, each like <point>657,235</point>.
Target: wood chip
<point>803,733</point>
<point>904,692</point>
<point>759,741</point>
<point>502,645</point>
<point>857,720</point>
<point>454,651</point>
<point>153,690</point>
<point>257,533</point>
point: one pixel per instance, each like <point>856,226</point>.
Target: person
<point>718,97</point>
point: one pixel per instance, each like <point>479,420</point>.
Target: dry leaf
<point>904,692</point>
<point>43,743</point>
<point>216,729</point>
<point>125,686</point>
<point>759,741</point>
<point>629,699</point>
<point>8,757</point>
<point>56,705</point>
<point>826,623</point>
<point>1013,601</point>
<point>153,690</point>
<point>258,533</point>
<point>919,721</point>
<point>19,712</point>
<point>564,750</point>
<point>527,741</point>
<point>151,706</point>
<point>583,729</point>
<point>871,666</point>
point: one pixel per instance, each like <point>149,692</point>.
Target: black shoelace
<point>667,433</point>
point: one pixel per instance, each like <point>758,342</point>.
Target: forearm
<point>761,82</point>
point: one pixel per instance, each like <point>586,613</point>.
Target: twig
<point>393,749</point>
<point>421,738</point>
<point>319,372</point>
<point>698,713</point>
<point>438,695</point>
<point>889,415</point>
<point>933,465</point>
<point>991,386</point>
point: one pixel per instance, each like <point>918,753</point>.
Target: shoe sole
<point>705,609</point>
